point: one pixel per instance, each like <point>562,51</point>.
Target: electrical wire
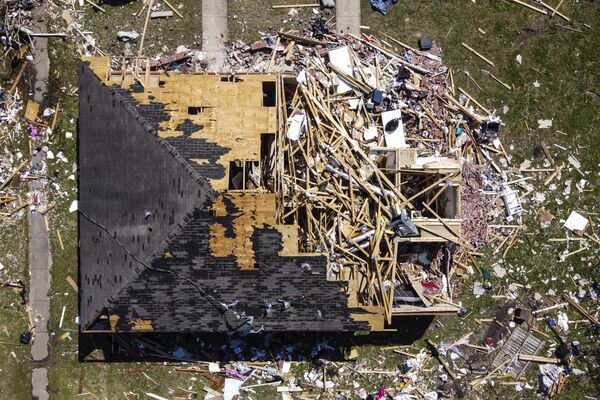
<point>218,306</point>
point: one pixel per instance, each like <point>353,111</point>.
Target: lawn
<point>163,35</point>
<point>558,78</point>
<point>14,320</point>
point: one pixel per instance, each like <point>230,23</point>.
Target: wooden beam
<point>538,359</point>
<point>540,10</point>
<point>18,77</point>
<point>580,309</point>
<point>141,49</point>
<point>173,8</point>
<point>13,174</point>
<point>96,6</point>
<point>478,54</point>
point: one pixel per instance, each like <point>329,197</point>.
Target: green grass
<point>163,35</point>
<point>14,357</point>
<point>249,20</point>
<point>569,65</point>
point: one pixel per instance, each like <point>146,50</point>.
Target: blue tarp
<point>382,5</point>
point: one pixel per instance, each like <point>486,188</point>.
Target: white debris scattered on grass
<point>519,59</point>
<point>576,222</point>
<point>563,321</point>
<point>581,185</point>
<point>74,206</point>
<point>544,123</point>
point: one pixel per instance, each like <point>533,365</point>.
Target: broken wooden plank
<point>507,86</point>
<point>580,309</point>
<point>173,8</point>
<point>141,49</point>
<point>555,11</point>
<point>96,6</point>
<point>539,359</point>
<point>72,283</point>
<point>435,353</point>
<point>302,39</point>
<point>13,174</point>
<point>478,54</point>
<point>540,10</point>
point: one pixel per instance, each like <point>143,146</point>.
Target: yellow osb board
<point>232,113</point>
<point>32,110</point>
<point>99,65</point>
<point>255,210</point>
<point>373,315</point>
<point>141,325</point>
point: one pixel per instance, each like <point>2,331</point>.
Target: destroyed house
<point>195,214</point>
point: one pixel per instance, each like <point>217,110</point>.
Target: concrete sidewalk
<point>39,243</point>
<point>214,32</point>
<point>348,16</point>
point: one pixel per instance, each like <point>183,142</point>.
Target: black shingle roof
<point>145,191</point>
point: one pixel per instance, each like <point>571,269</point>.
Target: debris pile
<point>373,153</point>
<point>12,206</point>
<point>15,18</point>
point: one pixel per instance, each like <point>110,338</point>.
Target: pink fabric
<point>235,374</point>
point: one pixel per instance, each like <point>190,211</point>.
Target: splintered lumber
<point>476,382</point>
<point>13,174</point>
<point>547,153</point>
<point>553,307</point>
<point>393,55</point>
<point>18,77</point>
<point>540,10</point>
<point>55,116</point>
<point>81,380</point>
<point>463,108</point>
<point>435,353</point>
<point>301,39</point>
<point>580,309</point>
<point>141,49</point>
<point>72,283</point>
<point>478,54</point>
<point>485,110</point>
<point>500,82</point>
<point>96,6</point>
<point>555,11</point>
<point>172,8</point>
<point>155,396</point>
<point>60,241</point>
<point>553,175</point>
<point>538,359</point>
<point>161,14</point>
<point>556,8</point>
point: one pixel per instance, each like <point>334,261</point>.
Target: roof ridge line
<point>203,184</point>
